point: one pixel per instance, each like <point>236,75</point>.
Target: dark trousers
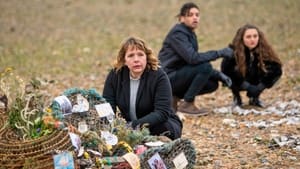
<point>192,80</point>
<point>269,82</point>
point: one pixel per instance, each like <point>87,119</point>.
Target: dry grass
<point>74,42</point>
<point>80,38</point>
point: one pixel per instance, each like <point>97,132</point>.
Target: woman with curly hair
<point>141,90</point>
<point>254,67</point>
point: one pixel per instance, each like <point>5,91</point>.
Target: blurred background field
<point>74,42</point>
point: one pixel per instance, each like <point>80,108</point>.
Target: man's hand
<point>225,53</point>
<point>225,79</point>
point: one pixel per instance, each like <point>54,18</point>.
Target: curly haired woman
<point>254,67</point>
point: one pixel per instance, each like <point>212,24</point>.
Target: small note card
<point>180,161</point>
<point>104,110</point>
<point>63,160</point>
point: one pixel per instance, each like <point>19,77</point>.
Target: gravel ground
<point>230,139</point>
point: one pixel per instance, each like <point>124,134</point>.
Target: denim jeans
<point>192,80</point>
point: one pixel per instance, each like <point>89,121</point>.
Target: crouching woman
<point>141,90</point>
<point>254,67</point>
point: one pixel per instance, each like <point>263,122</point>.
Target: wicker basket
<point>35,153</point>
<point>2,123</point>
<point>169,151</point>
<point>91,117</point>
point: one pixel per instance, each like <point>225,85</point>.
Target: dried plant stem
<point>25,116</point>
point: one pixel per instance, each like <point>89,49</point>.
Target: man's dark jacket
<point>180,48</point>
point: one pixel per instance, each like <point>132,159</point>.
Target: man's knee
<point>205,68</point>
<point>210,87</point>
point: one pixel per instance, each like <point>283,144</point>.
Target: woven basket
<point>3,119</point>
<point>169,151</point>
<point>35,153</point>
<point>91,117</point>
<point>2,123</point>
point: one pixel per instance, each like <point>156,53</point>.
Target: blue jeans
<point>192,80</point>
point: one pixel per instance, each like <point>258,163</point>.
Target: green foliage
<point>25,117</point>
<point>127,134</point>
<point>91,139</point>
<point>14,112</point>
<point>26,110</point>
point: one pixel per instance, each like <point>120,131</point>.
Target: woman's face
<point>135,60</point>
<point>191,19</point>
<point>250,38</point>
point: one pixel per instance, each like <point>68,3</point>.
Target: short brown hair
<point>152,61</point>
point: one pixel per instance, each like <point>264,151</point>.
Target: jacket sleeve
<point>180,43</point>
<point>109,90</point>
<point>162,102</point>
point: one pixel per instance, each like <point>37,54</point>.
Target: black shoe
<point>237,101</point>
<point>254,101</point>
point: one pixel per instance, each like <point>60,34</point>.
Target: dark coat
<point>180,48</point>
<point>254,75</point>
<point>153,102</point>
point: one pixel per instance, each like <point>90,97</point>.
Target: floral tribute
<point>77,129</point>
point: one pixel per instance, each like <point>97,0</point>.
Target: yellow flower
<point>109,147</point>
<point>48,110</point>
<point>8,69</point>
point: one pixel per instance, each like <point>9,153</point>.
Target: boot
<point>237,101</point>
<point>254,101</point>
<point>191,108</point>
